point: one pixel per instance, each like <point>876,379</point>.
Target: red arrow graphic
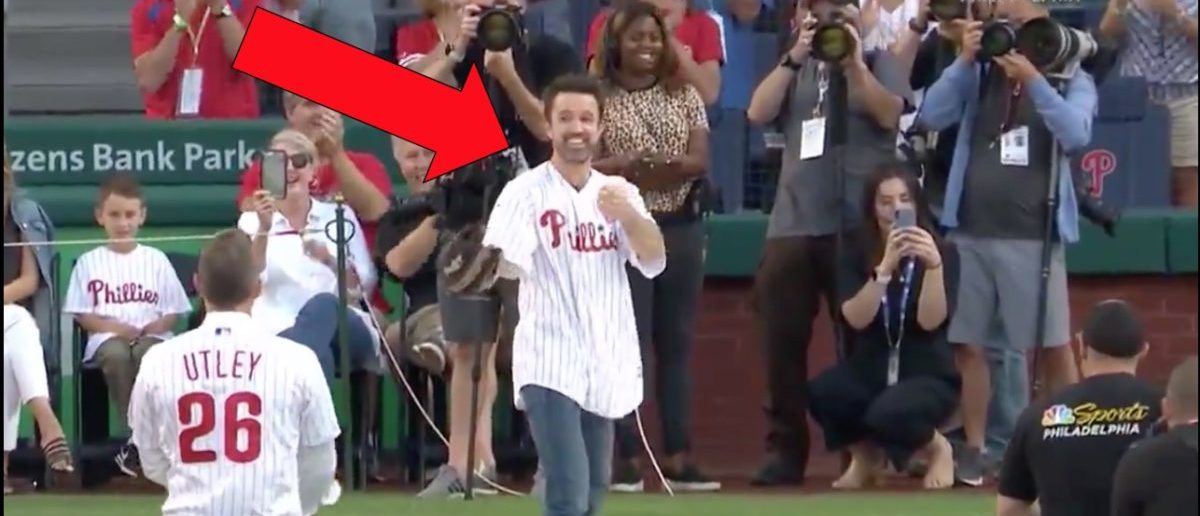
<point>459,126</point>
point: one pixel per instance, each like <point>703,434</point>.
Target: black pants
<point>901,419</point>
<point>794,274</point>
<point>665,309</point>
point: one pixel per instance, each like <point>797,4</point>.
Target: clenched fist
<point>615,200</point>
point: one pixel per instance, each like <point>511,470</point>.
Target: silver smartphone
<point>905,218</point>
<point>274,173</point>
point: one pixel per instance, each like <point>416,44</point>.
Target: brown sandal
<point>58,455</point>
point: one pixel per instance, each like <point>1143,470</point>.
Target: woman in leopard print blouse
<point>656,135</point>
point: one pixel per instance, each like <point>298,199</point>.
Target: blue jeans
<point>316,328</point>
<point>575,450</point>
<point>1009,372</point>
<point>1010,396</point>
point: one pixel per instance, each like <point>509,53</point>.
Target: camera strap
<point>893,364</point>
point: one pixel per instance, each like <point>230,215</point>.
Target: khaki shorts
<point>1183,132</point>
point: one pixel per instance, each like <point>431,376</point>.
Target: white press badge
<point>812,135</point>
<point>189,91</point>
<point>812,139</point>
<point>192,84</point>
<point>1014,147</point>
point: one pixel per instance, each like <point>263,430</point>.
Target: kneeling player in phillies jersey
<point>231,419</point>
<point>566,232</point>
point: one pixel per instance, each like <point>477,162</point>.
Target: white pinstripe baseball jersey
<point>135,288</point>
<point>577,333</point>
<point>219,414</point>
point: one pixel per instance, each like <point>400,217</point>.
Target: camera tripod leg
<point>473,426</point>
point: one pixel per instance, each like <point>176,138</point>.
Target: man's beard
<point>572,154</point>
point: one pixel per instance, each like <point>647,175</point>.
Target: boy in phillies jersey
<point>125,295</point>
<point>566,232</point>
<point>230,418</point>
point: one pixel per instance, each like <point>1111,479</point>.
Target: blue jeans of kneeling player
<point>575,449</point>
<point>316,328</point>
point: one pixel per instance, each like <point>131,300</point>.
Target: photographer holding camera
<point>798,266</point>
<point>1011,119</point>
<point>490,36</point>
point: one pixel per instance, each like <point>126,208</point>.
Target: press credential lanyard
<point>893,364</point>
<point>193,76</point>
<point>812,139</point>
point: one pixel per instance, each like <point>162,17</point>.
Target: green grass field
<point>900,504</point>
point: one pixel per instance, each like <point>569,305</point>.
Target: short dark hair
<point>122,184</point>
<point>1113,329</point>
<point>573,83</point>
<point>226,271</point>
<point>1182,387</point>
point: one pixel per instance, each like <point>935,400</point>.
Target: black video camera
<point>460,199</point>
<point>501,27</point>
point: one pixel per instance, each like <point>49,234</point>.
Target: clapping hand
<point>331,130</point>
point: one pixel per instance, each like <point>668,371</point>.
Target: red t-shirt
<point>224,93</point>
<point>697,31</point>
<point>415,40</point>
<point>324,184</point>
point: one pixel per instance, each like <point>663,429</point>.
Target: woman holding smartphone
<point>900,384</point>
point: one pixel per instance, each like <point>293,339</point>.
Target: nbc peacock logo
<point>1058,415</point>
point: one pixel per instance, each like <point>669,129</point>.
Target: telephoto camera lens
<point>832,41</point>
<point>1052,46</point>
<point>947,10</point>
<point>999,38</point>
<point>499,28</point>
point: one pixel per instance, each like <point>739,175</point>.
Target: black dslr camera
<point>501,27</point>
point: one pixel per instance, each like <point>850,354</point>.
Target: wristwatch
<point>789,63</point>
<point>181,23</point>
<point>225,12</point>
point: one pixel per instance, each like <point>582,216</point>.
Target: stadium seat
<point>69,56</point>
<point>727,156</point>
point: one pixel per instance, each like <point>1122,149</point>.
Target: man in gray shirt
<point>799,262</point>
<point>1010,117</point>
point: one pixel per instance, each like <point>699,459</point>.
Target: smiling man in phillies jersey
<point>567,232</point>
<point>231,419</point>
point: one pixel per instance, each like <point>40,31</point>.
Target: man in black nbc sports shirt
<point>1158,477</point>
<point>1065,449</point>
